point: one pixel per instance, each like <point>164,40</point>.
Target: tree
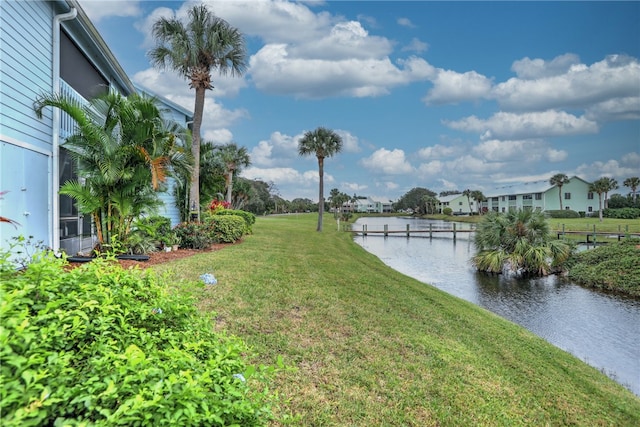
<point>430,204</point>
<point>559,179</point>
<point>233,158</point>
<point>633,183</point>
<point>601,187</point>
<point>611,184</point>
<point>478,197</point>
<point>413,198</point>
<point>467,193</point>
<point>323,143</point>
<point>205,43</point>
<point>518,241</point>
<point>124,151</point>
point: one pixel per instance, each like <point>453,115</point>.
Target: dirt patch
<point>161,257</point>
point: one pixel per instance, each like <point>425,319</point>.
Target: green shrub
<point>622,213</point>
<point>248,217</point>
<point>565,213</point>
<point>100,345</point>
<point>226,228</point>
<point>447,211</point>
<point>615,266</point>
<point>194,235</point>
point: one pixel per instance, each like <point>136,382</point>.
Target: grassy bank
<point>371,346</point>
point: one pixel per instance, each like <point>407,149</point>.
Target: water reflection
<point>601,329</point>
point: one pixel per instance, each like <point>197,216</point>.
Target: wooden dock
<point>594,235</point>
<point>409,232</point>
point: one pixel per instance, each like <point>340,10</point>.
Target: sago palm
<point>194,49</point>
<point>322,143</point>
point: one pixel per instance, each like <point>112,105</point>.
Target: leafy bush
<point>100,345</point>
<point>615,266</point>
<point>248,217</point>
<point>447,211</point>
<point>566,213</point>
<point>194,235</point>
<point>226,228</point>
<point>623,213</point>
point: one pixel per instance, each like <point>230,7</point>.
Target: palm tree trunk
<point>600,206</point>
<point>194,190</point>
<point>229,185</point>
<point>321,192</point>
<point>560,195</point>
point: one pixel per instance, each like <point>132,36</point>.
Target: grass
<point>372,347</point>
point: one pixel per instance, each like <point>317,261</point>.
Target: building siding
<point>25,60</point>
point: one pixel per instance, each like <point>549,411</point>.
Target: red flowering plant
<point>218,205</point>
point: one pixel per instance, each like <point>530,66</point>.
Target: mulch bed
<point>161,257</point>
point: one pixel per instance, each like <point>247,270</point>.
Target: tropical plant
<point>194,49</point>
<point>478,197</point>
<point>413,198</point>
<point>611,184</point>
<point>518,241</point>
<point>233,158</point>
<point>322,143</point>
<point>467,193</point>
<point>560,180</point>
<point>430,204</point>
<point>633,183</point>
<point>124,152</point>
<point>601,187</point>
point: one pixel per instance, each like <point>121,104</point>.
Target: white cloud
<point>405,22</point>
<point>416,46</point>
<point>350,143</point>
<point>453,87</point>
<point>627,108</point>
<point>448,185</point>
<point>531,69</point>
<point>504,125</point>
<point>218,136</point>
<point>278,150</point>
<point>579,86</point>
<point>609,168</point>
<point>352,187</point>
<point>435,167</point>
<point>436,152</point>
<point>555,156</point>
<point>388,162</point>
<point>96,10</point>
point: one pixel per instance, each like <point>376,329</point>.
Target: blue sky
<point>441,95</point>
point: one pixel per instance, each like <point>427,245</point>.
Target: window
<point>503,198</point>
<point>590,209</point>
<point>512,197</point>
<point>590,196</point>
<point>567,196</point>
<point>567,208</point>
<point>460,203</point>
<point>538,196</point>
<point>527,197</point>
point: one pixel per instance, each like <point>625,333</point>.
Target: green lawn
<point>372,347</point>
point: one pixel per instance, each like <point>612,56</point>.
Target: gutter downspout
<point>55,85</point>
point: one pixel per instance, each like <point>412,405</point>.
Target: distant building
<point>542,196</point>
<point>368,205</point>
<point>458,203</point>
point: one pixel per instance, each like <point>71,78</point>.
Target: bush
<point>226,228</point>
<point>194,235</point>
<point>100,345</point>
<point>447,211</point>
<point>248,217</point>
<point>566,213</point>
<point>623,213</point>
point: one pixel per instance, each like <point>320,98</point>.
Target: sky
<point>440,95</point>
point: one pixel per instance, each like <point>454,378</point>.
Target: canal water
<point>599,328</point>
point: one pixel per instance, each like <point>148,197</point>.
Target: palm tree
<point>233,158</point>
<point>124,154</point>
<point>559,179</point>
<point>467,194</point>
<point>205,43</point>
<point>518,241</point>
<point>611,185</point>
<point>601,187</point>
<point>323,143</point>
<point>633,183</point>
<point>478,197</point>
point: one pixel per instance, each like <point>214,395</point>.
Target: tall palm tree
<point>478,197</point>
<point>233,158</point>
<point>518,241</point>
<point>322,143</point>
<point>633,183</point>
<point>467,194</point>
<point>601,187</point>
<point>559,179</point>
<point>205,43</point>
<point>611,184</point>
